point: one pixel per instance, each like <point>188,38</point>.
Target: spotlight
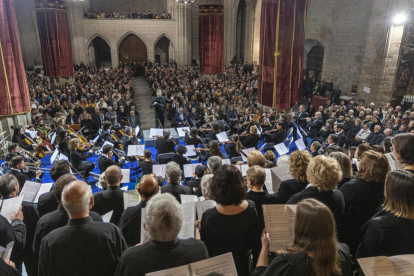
<point>185,1</point>
<point>399,19</point>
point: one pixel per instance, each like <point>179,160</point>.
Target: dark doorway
<point>315,61</point>
<point>241,30</point>
<point>132,48</point>
<point>102,52</point>
<point>162,49</point>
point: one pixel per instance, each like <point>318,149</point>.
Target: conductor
<point>159,103</point>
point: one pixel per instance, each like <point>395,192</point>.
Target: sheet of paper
<point>259,131</point>
<point>6,252</point>
<point>189,169</point>
<point>106,143</point>
<point>125,188</point>
<point>281,149</point>
<point>155,131</point>
<point>188,198</point>
<point>52,139</point>
<point>63,157</point>
<point>394,163</point>
<point>300,144</point>
<point>243,169</point>
<point>181,131</point>
<point>30,190</point>
<point>159,170</point>
<point>201,198</point>
<point>202,206</point>
<point>107,217</point>
<point>220,265</point>
<point>144,234</point>
<point>188,224</point>
<point>282,172</point>
<point>225,162</point>
<point>131,198</point>
<point>126,175</point>
<point>190,151</point>
<point>53,157</point>
<point>400,265</point>
<point>279,222</point>
<point>44,188</point>
<point>222,137</point>
<point>11,206</point>
<point>246,153</point>
<point>31,133</point>
<point>134,150</point>
<point>269,181</point>
<point>176,271</point>
<point>95,139</point>
<point>137,130</point>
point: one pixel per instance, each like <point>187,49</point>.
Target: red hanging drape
<point>282,42</point>
<point>211,39</point>
<point>55,41</point>
<point>14,91</point>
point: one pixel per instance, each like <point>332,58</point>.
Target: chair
<point>164,158</point>
<point>236,159</point>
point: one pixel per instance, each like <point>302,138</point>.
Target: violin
<point>202,149</point>
<point>116,138</point>
<point>246,123</point>
<point>228,142</point>
<point>84,143</point>
<point>40,153</point>
<point>205,129</point>
<point>245,134</point>
<point>157,136</point>
<point>272,130</point>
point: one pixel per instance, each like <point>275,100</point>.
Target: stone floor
<point>143,98</point>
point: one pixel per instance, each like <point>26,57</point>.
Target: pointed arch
<point>133,33</point>
<point>89,41</point>
<point>161,35</point>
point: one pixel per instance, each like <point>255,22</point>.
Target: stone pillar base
<point>61,80</point>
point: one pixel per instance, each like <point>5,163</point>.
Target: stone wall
<point>128,6</point>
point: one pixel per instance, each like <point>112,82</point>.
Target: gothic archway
<point>314,51</point>
<point>162,50</point>
<point>102,51</point>
<point>132,48</point>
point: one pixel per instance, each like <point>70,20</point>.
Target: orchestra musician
<point>18,138</point>
<point>194,117</point>
<point>301,118</point>
<point>78,160</point>
<point>147,163</point>
<point>22,173</point>
<point>105,160</point>
<point>180,118</point>
<point>214,150</point>
<point>275,136</point>
<point>250,140</point>
<point>232,116</point>
<point>314,126</point>
<point>60,124</point>
<point>61,143</point>
<point>165,144</point>
<point>13,151</point>
<point>192,138</point>
<point>234,147</point>
<point>129,139</point>
<point>212,134</point>
<point>106,134</point>
<point>133,120</point>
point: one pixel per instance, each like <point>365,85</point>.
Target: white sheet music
<point>125,188</point>
<point>181,131</point>
<point>44,188</point>
<point>32,133</point>
<point>189,169</point>
<point>176,271</point>
<point>188,198</point>
<point>225,162</point>
<point>220,265</point>
<point>246,152</point>
<point>11,206</point>
<point>400,265</point>
<point>281,149</point>
<point>6,252</point>
<point>53,157</point>
<point>259,132</point>
<point>202,206</point>
<point>222,137</point>
<point>300,144</point>
<point>282,171</point>
<point>243,169</point>
<point>268,181</point>
<point>144,234</point>
<point>394,163</point>
<point>63,157</point>
<point>155,131</point>
<point>126,175</point>
<point>106,143</point>
<point>159,170</point>
<point>134,150</point>
<point>131,198</point>
<point>52,139</point>
<point>279,223</point>
<point>190,151</point>
<point>30,190</point>
<point>107,217</point>
<point>188,222</point>
<point>137,130</point>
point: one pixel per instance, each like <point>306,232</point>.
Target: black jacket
<point>134,121</point>
<point>76,158</point>
<point>164,146</point>
<point>250,141</point>
<point>180,160</point>
<point>375,138</point>
<point>147,166</point>
<point>47,203</point>
<point>287,189</point>
<point>104,162</point>
<point>23,177</point>
<point>353,131</point>
<point>16,231</point>
<point>177,190</point>
<point>314,127</point>
<point>112,199</point>
<point>126,141</point>
<point>301,119</point>
<point>192,141</point>
<point>231,150</point>
<point>130,223</point>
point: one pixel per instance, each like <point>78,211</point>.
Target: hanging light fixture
<point>185,1</point>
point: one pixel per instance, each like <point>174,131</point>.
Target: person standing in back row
<point>159,103</point>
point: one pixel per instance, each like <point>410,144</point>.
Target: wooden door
<point>315,61</point>
<point>132,49</point>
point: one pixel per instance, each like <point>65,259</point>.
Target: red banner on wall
<point>282,42</point>
<point>14,91</point>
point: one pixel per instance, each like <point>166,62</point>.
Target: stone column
<point>182,13</point>
<point>115,58</point>
<point>230,22</point>
<point>150,54</point>
<point>75,17</point>
<point>249,30</point>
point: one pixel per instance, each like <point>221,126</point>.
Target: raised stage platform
<point>150,142</point>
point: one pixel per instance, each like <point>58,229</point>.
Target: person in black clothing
<point>20,171</point>
<point>88,126</point>
<point>78,160</point>
<point>72,118</point>
<point>179,158</point>
<point>60,141</point>
<point>147,163</point>
<point>7,267</point>
<point>164,249</point>
<point>13,151</point>
<point>363,197</point>
<point>106,134</point>
<point>233,148</point>
<point>9,188</point>
<point>173,176</point>
<point>196,181</point>
<point>298,164</point>
<point>310,253</point>
<point>311,110</point>
<point>112,199</point>
<point>251,140</point>
<point>346,166</point>
<point>314,126</point>
<point>82,240</point>
<point>323,174</point>
<point>301,118</point>
<point>129,139</point>
<point>47,202</point>
<point>165,144</point>
<point>403,149</point>
<point>58,217</point>
<point>130,221</point>
<point>321,89</point>
<point>159,103</point>
<point>231,226</point>
<point>211,135</point>
<point>214,150</point>
<point>105,160</point>
<point>133,121</point>
<point>353,131</point>
<point>276,136</point>
<point>18,138</point>
<point>193,138</point>
<point>314,148</point>
<point>389,232</point>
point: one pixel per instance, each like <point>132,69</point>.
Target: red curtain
<point>211,39</point>
<point>14,91</point>
<point>282,42</point>
<point>55,40</point>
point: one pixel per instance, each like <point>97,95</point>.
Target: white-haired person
<point>163,219</point>
<point>173,176</point>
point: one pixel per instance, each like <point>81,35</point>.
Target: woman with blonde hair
<point>298,164</point>
<point>323,175</point>
<point>314,250</point>
<point>250,140</point>
<point>363,195</point>
<point>389,232</point>
<point>78,160</point>
<point>346,166</point>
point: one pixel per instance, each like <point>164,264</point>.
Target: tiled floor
<point>143,98</point>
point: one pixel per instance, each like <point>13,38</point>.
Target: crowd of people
<point>119,15</point>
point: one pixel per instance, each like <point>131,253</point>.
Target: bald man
<point>314,126</point>
<point>112,199</point>
<point>130,221</point>
<point>84,246</point>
